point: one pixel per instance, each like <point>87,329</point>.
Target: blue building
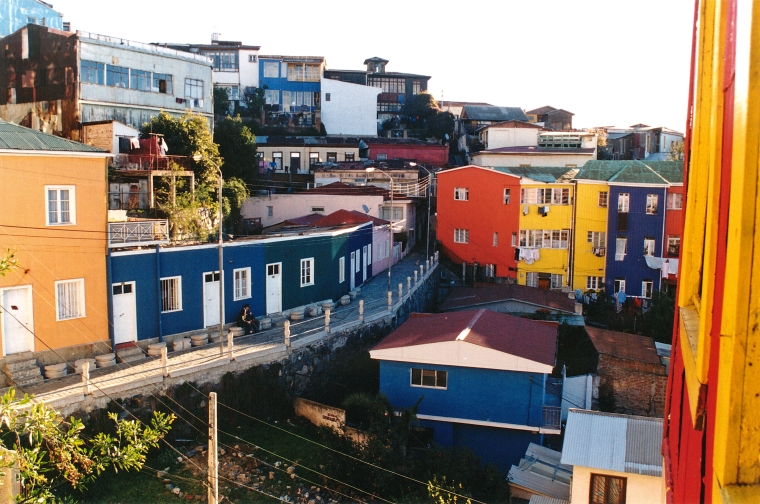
<point>16,14</point>
<point>484,378</point>
<point>176,289</point>
<point>292,89</point>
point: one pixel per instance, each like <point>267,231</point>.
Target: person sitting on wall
<point>245,319</point>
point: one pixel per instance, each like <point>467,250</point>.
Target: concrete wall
<point>491,159</point>
<point>649,489</point>
<point>290,206</point>
<point>577,392</point>
<point>351,108</point>
<point>494,138</point>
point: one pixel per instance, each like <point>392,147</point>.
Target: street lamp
<point>370,169</point>
<point>429,191</point>
<point>196,158</point>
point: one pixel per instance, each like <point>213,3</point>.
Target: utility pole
<point>213,452</point>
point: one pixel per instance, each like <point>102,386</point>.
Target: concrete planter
<point>79,365</point>
<point>237,331</point>
<point>344,300</point>
<point>199,340</point>
<point>181,344</point>
<point>328,305</point>
<point>56,371</point>
<point>265,323</point>
<point>315,311</point>
<point>105,360</point>
<point>353,295</point>
<point>154,350</point>
<point>296,315</point>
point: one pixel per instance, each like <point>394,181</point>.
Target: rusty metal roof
<point>14,137</point>
<point>624,345</point>
<point>612,442</point>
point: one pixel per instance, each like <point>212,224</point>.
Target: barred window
<point>171,294</point>
<point>461,236</point>
<point>69,299</point>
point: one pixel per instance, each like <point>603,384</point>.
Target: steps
<point>129,353</point>
<point>22,370</point>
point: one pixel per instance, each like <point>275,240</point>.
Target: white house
<point>533,156</point>
<point>349,109</point>
<point>509,134</point>
<point>615,458</point>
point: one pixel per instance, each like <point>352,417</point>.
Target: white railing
<point>142,232</point>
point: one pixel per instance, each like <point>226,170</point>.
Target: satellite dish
<point>365,208</point>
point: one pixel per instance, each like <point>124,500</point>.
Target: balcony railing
<point>551,417</point>
<point>149,162</point>
<point>138,232</point>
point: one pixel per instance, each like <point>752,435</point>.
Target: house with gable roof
<point>484,379</point>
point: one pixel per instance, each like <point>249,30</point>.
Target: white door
<point>352,274</point>
<point>364,264</point>
<point>17,320</point>
<point>274,288</point>
<point>211,298</point>
<point>124,312</point>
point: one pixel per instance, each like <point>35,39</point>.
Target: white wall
<point>290,206</point>
<point>577,393</point>
<point>485,159</point>
<point>639,489</point>
<point>665,140</point>
<point>495,138</point>
<point>122,130</point>
<point>351,110</point>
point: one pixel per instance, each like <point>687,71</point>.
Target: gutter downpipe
<point>109,286</point>
<point>158,290</point>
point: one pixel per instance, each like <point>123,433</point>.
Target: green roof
<point>633,172</point>
<point>548,174</point>
<point>14,137</point>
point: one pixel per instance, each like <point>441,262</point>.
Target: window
<point>358,261</point>
<point>69,299</point>
<point>369,254</point>
<point>307,272</point>
<point>224,61</point>
<point>272,69</point>
<point>651,204</point>
<point>61,205</point>
<point>382,157</point>
<point>317,209</point>
<point>162,83</point>
<point>277,160</point>
<point>531,279</point>
<point>140,80</point>
<point>649,246</point>
<point>623,199</point>
<point>461,236</point>
<point>646,288</point>
<point>619,285</point>
<point>252,58</point>
<point>416,87</point>
<point>528,196</point>
<point>388,84</point>
<point>603,197</point>
<point>429,378</point>
<point>557,281</point>
<point>295,162</point>
<point>302,72</point>
<point>675,201</point>
<point>327,96</point>
<point>496,239</point>
<point>506,196</point>
<point>597,239</point>
<point>490,270</point>
<point>621,248</point>
<point>194,89</point>
<point>560,196</point>
<point>92,72</point>
<point>342,269</point>
<point>398,213</point>
<point>270,211</point>
<point>674,246</point>
<point>545,238</point>
<point>242,278</point>
<point>594,283</point>
<point>313,158</point>
<point>171,294</point>
<point>607,489</point>
<point>332,157</point>
<point>349,156</point>
<point>272,96</point>
<point>117,76</point>
<point>461,193</point>
<point>514,239</point>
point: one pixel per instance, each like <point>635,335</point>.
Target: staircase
<point>22,370</point>
<point>129,352</point>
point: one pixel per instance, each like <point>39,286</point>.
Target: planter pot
<point>296,315</point>
<point>344,300</point>
<point>154,350</point>
<point>329,305</point>
<point>315,311</point>
<point>198,340</point>
<point>265,323</point>
<point>79,365</point>
<point>237,331</point>
<point>102,363</point>
<point>56,367</point>
<point>105,357</point>
<point>352,295</point>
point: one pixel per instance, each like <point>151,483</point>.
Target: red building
<point>408,149</point>
<point>479,217</point>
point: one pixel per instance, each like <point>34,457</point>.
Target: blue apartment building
<point>292,89</point>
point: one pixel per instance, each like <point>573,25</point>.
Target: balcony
<point>138,233</point>
<point>551,417</point>
<point>149,162</point>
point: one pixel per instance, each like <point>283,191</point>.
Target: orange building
<point>479,217</point>
<point>53,208</point>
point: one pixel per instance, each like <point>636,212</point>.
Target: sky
<point>610,62</point>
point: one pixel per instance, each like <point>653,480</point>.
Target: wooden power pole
<point>213,452</point>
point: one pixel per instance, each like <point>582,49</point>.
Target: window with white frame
<point>594,282</point>
<point>507,194</point>
<point>557,281</point>
<point>597,239</point>
<point>307,272</point>
<point>270,211</point>
<point>496,239</point>
<point>272,96</point>
<point>61,205</point>
<point>560,196</point>
<point>545,238</point>
<point>398,213</point>
<point>603,197</point>
<point>272,69</point>
<point>619,285</point>
<point>171,294</point>
<point>531,279</point>
<point>193,89</point>
<point>651,204</point>
<point>358,262</point>
<point>514,239</point>
<point>621,248</point>
<point>461,236</point>
<point>675,201</point>
<point>461,194</point>
<point>429,378</point>
<point>646,288</point>
<point>674,246</point>
<point>623,202</point>
<point>649,246</point>
<point>69,299</point>
<point>342,269</point>
<point>242,278</point>
<point>490,270</point>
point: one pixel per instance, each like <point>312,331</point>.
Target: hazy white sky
<point>611,62</point>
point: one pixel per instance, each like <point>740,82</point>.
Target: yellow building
<point>546,222</point>
<point>53,208</point>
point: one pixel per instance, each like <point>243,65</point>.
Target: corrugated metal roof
<point>493,113</point>
<point>548,174</point>
<point>14,137</point>
<point>672,171</point>
<point>541,472</point>
<point>613,442</point>
<point>540,499</point>
<point>632,171</point>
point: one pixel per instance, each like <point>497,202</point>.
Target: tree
<point>237,146</point>
<point>221,101</point>
<point>657,323</point>
<point>440,125</point>
<point>187,136</point>
<point>255,98</point>
<point>676,151</point>
<point>421,106</point>
<point>50,451</point>
<point>7,262</point>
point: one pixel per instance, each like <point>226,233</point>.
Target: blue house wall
<point>16,14</point>
<point>146,267</point>
<point>282,83</point>
<point>474,394</point>
<point>641,225</point>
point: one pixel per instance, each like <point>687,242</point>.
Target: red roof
<point>486,293</point>
<point>347,217</point>
<point>623,345</point>
<point>304,220</point>
<point>516,336</point>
